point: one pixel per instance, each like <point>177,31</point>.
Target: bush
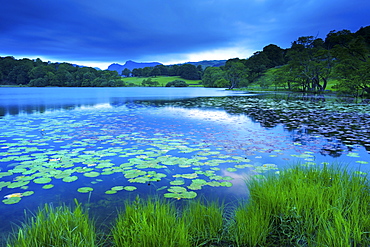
<point>177,83</point>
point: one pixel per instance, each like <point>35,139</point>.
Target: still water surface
<point>104,145</point>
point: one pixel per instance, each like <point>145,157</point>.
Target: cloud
<point>143,30</point>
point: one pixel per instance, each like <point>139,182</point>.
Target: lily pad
<point>231,169</point>
<point>28,193</point>
<point>130,188</point>
<point>43,180</point>
<point>70,179</point>
<point>110,192</point>
<point>91,174</point>
<point>117,188</point>
<point>226,184</point>
<point>12,200</point>
<point>85,189</point>
<point>18,184</point>
<point>177,182</point>
<point>184,195</point>
<point>48,186</point>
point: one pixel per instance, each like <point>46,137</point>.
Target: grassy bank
<point>162,80</point>
<point>302,206</point>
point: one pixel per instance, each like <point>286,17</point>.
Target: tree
<point>353,66</point>
<point>149,83</point>
<point>311,63</point>
<point>275,55</point>
<point>126,72</point>
<point>211,75</point>
<point>236,73</point>
<point>155,72</point>
<point>177,83</point>
<point>189,72</point>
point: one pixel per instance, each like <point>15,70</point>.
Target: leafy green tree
<point>236,73</point>
<point>211,75</point>
<point>275,55</point>
<point>353,66</point>
<point>149,83</point>
<point>189,72</point>
<point>177,83</point>
<point>310,63</point>
<point>126,72</point>
<point>137,72</point>
<point>155,72</point>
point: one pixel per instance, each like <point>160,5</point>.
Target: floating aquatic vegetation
<point>83,146</point>
<point>85,189</point>
<point>180,193</point>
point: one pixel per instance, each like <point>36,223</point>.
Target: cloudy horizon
<point>98,33</point>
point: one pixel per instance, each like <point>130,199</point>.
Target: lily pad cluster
<point>135,146</point>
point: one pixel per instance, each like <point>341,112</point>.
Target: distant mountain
<point>130,65</point>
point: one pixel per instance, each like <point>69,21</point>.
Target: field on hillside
<point>162,80</point>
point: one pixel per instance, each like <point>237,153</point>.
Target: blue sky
<point>100,32</point>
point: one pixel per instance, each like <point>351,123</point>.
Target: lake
<point>105,145</point>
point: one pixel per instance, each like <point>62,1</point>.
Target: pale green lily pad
<point>110,192</point>
<point>70,179</point>
<point>43,180</point>
<point>231,169</point>
<point>214,184</point>
<point>226,184</point>
<point>177,182</point>
<point>85,189</point>
<point>177,189</point>
<point>184,195</point>
<point>130,188</point>
<point>117,188</point>
<point>18,184</point>
<point>362,162</point>
<point>4,184</point>
<point>355,155</point>
<point>28,193</point>
<point>91,174</point>
<point>48,186</point>
<point>141,180</point>
<point>12,200</point>
<point>189,176</point>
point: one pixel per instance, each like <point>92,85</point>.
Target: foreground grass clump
<point>152,222</point>
<point>305,206</point>
<point>55,226</point>
<point>205,222</point>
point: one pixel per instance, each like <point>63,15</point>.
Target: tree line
<point>36,73</point>
<point>306,66</point>
<point>185,71</point>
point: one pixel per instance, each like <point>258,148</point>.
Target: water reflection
<point>14,101</point>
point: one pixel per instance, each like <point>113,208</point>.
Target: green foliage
<point>149,83</point>
<point>306,206</point>
<point>212,75</point>
<point>56,226</point>
<point>150,223</point>
<point>177,83</point>
<point>40,74</point>
<point>205,222</point>
<point>236,73</point>
<point>300,206</point>
<point>162,80</point>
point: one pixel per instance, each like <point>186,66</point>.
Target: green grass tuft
<point>205,222</point>
<point>55,226</point>
<point>306,206</point>
<point>152,222</point>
